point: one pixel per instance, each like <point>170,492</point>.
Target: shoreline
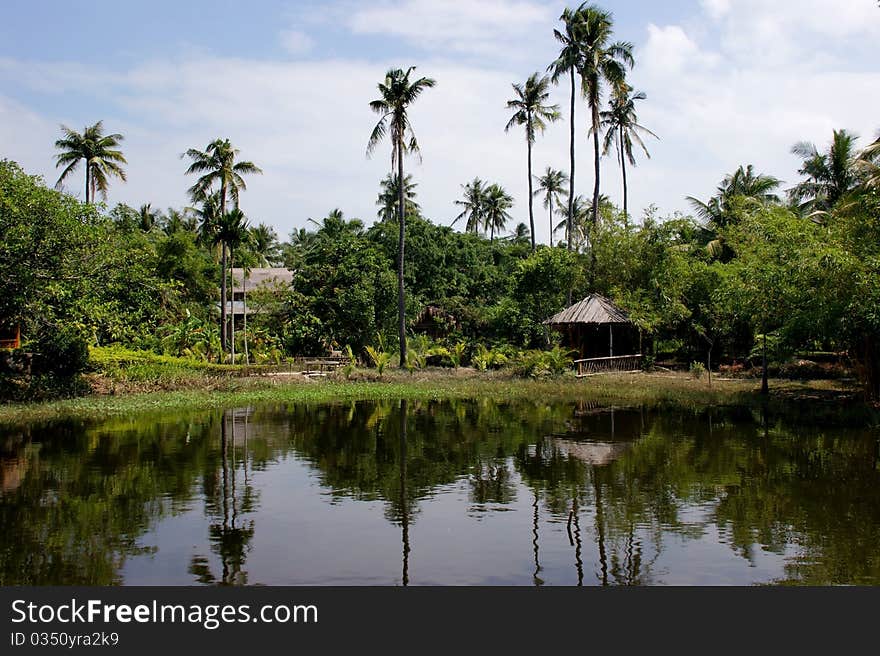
<point>643,389</point>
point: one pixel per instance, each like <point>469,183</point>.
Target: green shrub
<point>379,358</point>
<point>60,351</point>
<point>697,370</point>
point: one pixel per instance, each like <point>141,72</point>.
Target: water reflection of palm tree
<point>404,523</point>
<point>537,579</point>
<point>230,538</point>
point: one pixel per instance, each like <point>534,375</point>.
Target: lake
<point>439,493</point>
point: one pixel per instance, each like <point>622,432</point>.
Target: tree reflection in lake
<point>476,491</point>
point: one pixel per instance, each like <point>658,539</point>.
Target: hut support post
<point>610,340</point>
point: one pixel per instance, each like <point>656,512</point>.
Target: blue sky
<point>728,82</point>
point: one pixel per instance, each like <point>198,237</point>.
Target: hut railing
<point>614,364</point>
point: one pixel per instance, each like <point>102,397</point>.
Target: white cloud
<point>296,42</point>
<point>716,8</point>
<point>488,27</point>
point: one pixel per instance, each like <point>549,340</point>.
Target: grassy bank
<point>207,389</point>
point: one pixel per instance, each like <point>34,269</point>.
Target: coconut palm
<point>829,175</point>
<point>233,232</point>
<point>149,218</point>
<point>743,183</point>
<point>601,62</point>
<point>473,206</point>
<point>868,165</point>
<point>530,109</point>
<point>579,222</point>
<point>552,186</point>
<point>216,165</point>
<point>496,205</point>
<point>180,221</point>
<point>520,235</point>
<point>397,93</point>
<point>100,153</point>
<point>568,62</point>
<point>264,245</point>
<point>622,129</point>
<point>389,195</point>
<point>743,186</point>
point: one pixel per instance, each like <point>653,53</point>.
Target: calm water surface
<point>458,492</point>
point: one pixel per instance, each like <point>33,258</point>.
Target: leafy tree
<point>397,93</point>
<point>531,110</point>
<point>101,155</point>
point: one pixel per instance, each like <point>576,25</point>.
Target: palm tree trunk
<point>623,170</point>
<point>401,301</point>
<point>223,288</point>
<point>594,102</point>
<point>223,300</point>
<point>550,204</point>
<point>232,303</point>
<point>531,211</point>
<point>571,164</point>
<point>244,316</point>
<point>88,169</point>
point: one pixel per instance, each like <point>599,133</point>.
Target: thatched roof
<point>593,309</point>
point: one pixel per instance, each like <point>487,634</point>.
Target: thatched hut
<point>596,328</point>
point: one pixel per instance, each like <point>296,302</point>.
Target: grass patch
<point>653,390</point>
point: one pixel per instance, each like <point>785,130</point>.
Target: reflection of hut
<point>600,436</point>
<point>435,322</point>
<point>595,327</point>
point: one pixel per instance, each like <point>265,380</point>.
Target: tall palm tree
<point>100,153</point>
<point>829,175</point>
<point>216,165</point>
<point>530,109</point>
<point>622,129</point>
<point>397,92</point>
<point>473,206</point>
<point>263,243</point>
<point>497,203</point>
<point>601,62</point>
<point>552,186</point>
<point>568,62</point>
<point>389,195</point>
